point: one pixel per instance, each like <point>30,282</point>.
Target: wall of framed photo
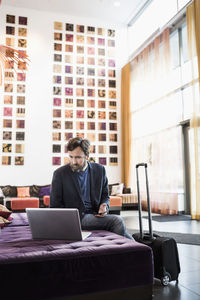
<point>71,87</point>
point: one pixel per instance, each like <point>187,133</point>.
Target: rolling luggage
<point>165,251</point>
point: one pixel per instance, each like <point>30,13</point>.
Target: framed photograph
<point>80,70</point>
<point>101,51</point>
<point>8,99</point>
<point>79,92</point>
<point>58,26</point>
<point>57,36</point>
<point>101,104</point>
<point>21,88</point>
<point>91,71</point>
<point>66,160</point>
<point>112,83</point>
<point>91,103</point>
<point>23,20</point>
<point>69,27</point>
<point>7,135</point>
<point>68,48</point>
<point>56,161</point>
<point>22,31</point>
<point>10,42</point>
<point>68,91</point>
<point>101,72</point>
<point>112,94</point>
<point>111,43</point>
<point>80,60</point>
<point>80,125</point>
<point>19,160</point>
<point>57,68</point>
<point>69,59</point>
<point>101,42</point>
<point>90,40</point>
<point>57,79</point>
<point>111,63</point>
<point>56,113</point>
<point>103,161</point>
<point>113,126</point>
<point>111,33</point>
<point>21,100</point>
<point>80,114</point>
<point>113,161</point>
<point>91,125</point>
<point>90,81</point>
<point>56,148</point>
<point>57,47</point>
<point>80,81</point>
<point>20,112</point>
<point>101,62</point>
<point>10,30</point>
<point>57,90</point>
<point>101,114</point>
<point>6,147</point>
<point>91,114</point>
<point>102,137</point>
<point>91,51</point>
<point>80,39</point>
<point>69,69</point>
<point>101,31</point>
<point>6,160</point>
<point>56,136</point>
<point>21,65</point>
<point>102,149</point>
<point>56,124</point>
<point>19,148</point>
<point>20,136</point>
<point>92,149</point>
<point>7,123</point>
<point>102,126</point>
<point>68,135</point>
<point>92,159</point>
<point>68,113</point>
<point>112,115</point>
<point>101,82</point>
<point>10,19</point>
<point>68,125</point>
<point>68,80</point>
<point>69,38</point>
<point>21,77</point>
<point>111,73</point>
<point>111,52</point>
<point>113,149</point>
<point>69,102</point>
<point>8,88</point>
<point>101,93</point>
<point>80,134</point>
<point>91,136</point>
<point>80,28</point>
<point>90,29</point>
<point>20,123</point>
<point>57,101</point>
<point>112,104</point>
<point>80,103</point>
<point>58,57</point>
<point>80,49</point>
<point>91,61</point>
<point>91,92</point>
<point>7,111</point>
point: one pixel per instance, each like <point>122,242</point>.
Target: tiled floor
<point>188,287</point>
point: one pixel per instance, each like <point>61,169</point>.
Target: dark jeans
<point>113,223</point>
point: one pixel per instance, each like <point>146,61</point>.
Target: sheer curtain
<point>193,26</point>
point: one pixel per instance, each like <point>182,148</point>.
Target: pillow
<point>110,187</point>
<point>117,189</point>
<point>23,192</point>
<point>9,191</point>
<point>34,191</point>
<point>44,191</point>
<point>4,212</point>
<point>1,193</point>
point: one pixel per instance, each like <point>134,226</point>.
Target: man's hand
<point>102,210</point>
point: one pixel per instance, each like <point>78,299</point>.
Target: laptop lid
<point>56,224</point>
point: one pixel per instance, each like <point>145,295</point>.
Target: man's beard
<point>78,168</point>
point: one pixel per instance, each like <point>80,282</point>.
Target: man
<point>84,185</point>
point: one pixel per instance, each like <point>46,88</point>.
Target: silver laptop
<point>56,224</point>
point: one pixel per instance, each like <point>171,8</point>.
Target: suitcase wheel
<point>166,279</point>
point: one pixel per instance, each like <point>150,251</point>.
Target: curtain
<point>125,123</point>
<point>193,27</point>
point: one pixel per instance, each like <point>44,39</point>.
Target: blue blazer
<point>65,191</point>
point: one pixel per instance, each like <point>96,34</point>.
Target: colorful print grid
<point>84,91</point>
<point>14,91</point>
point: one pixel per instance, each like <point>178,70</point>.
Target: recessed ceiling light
<point>116,3</point>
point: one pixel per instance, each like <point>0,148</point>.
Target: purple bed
<point>104,265</point>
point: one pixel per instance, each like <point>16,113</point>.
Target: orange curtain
<point>125,123</point>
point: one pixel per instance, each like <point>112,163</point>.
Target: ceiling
<point>104,10</point>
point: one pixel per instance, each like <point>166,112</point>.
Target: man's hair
<point>84,144</point>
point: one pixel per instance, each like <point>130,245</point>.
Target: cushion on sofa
<point>44,190</point>
<point>9,191</point>
<point>1,193</point>
<point>23,192</point>
<point>117,189</point>
<point>34,190</point>
<point>4,212</point>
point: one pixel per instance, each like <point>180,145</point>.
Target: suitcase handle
<point>148,202</point>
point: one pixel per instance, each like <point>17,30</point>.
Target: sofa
<point>18,198</point>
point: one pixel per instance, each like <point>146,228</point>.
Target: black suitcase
<point>165,251</point>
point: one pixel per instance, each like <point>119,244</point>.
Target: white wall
<point>38,167</point>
